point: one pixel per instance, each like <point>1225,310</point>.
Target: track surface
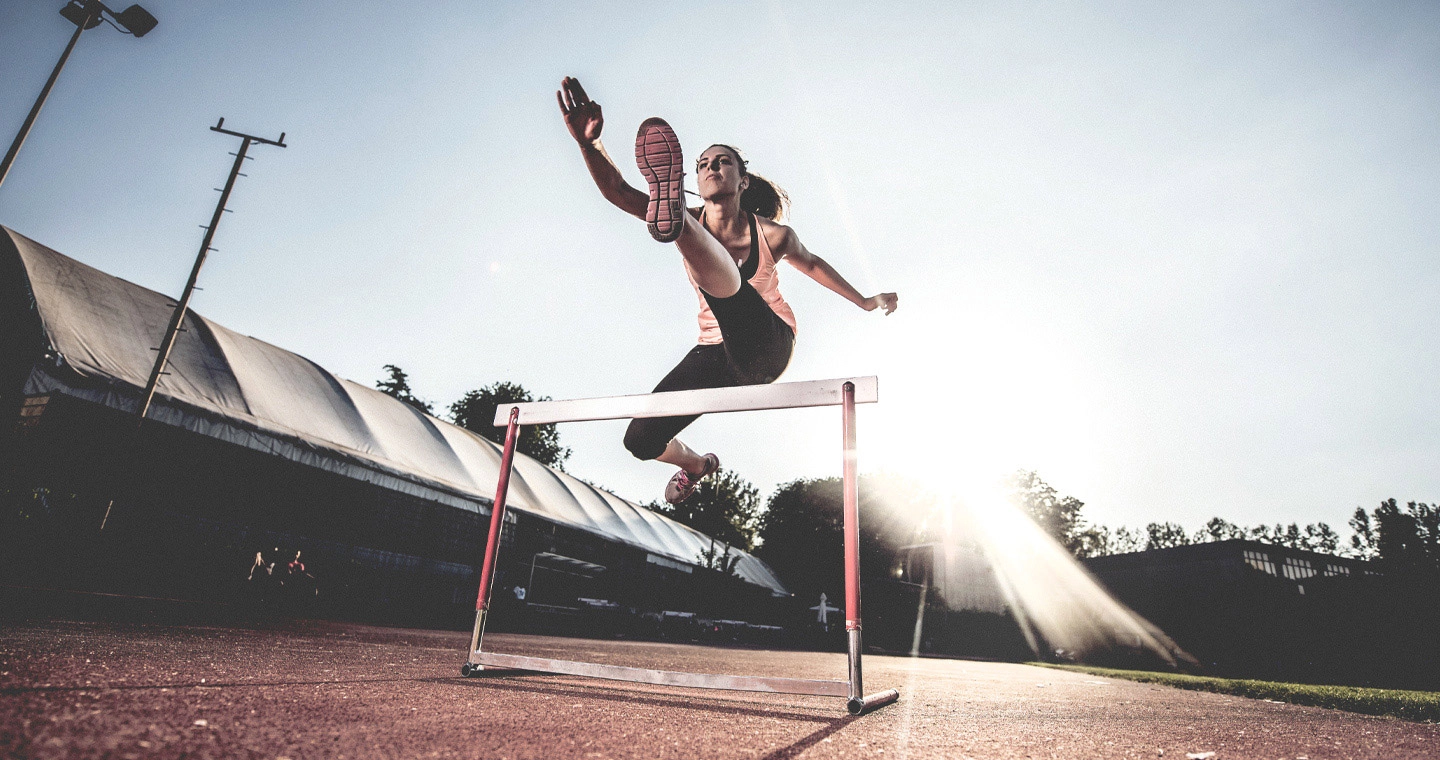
<point>311,689</point>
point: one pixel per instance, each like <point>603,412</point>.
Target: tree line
<point>797,530</point>
<point>1405,537</point>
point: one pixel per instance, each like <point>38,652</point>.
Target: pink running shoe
<point>682,486</point>
<point>657,151</point>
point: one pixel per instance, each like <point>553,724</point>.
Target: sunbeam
<point>994,557</point>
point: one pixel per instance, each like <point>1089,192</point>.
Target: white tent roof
<point>99,330</point>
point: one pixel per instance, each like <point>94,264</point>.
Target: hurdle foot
<point>872,701</point>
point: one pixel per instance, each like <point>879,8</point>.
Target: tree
<point>399,386</point>
<point>720,557</point>
<point>802,537</point>
<point>1219,529</point>
<point>1292,537</point>
<point>1407,539</point>
<point>1320,537</point>
<point>1266,534</point>
<point>1126,540</point>
<point>1165,535</point>
<point>1057,515</point>
<point>1095,541</point>
<point>475,411</point>
<point>1315,537</point>
<point>725,507</point>
<point>1362,540</point>
<point>802,530</point>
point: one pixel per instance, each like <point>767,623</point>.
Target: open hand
<point>886,301</point>
<point>582,115</point>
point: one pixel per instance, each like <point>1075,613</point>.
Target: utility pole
<point>183,306</point>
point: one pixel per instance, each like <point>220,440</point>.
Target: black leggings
<point>756,350</point>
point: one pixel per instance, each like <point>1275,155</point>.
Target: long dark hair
<point>762,197</point>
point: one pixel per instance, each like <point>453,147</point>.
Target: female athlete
<point>730,246</point>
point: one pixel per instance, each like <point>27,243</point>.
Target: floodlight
<point>84,14</point>
<point>136,19</point>
<point>78,14</point>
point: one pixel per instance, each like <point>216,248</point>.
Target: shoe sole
<point>678,498</point>
<point>657,152</point>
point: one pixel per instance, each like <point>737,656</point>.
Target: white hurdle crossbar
<point>843,392</point>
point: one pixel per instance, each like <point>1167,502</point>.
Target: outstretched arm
<point>791,249</point>
<point>585,121</point>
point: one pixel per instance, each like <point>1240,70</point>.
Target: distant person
<point>730,246</point>
<point>260,566</point>
<point>295,569</point>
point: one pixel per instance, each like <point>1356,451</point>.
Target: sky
<point>1180,261</point>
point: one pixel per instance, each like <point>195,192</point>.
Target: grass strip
<point>1419,706</point>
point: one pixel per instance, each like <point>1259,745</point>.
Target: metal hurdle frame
<point>845,392</point>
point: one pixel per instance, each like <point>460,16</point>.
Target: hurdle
<point>844,392</point>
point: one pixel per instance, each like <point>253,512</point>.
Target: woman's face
<point>718,174</point>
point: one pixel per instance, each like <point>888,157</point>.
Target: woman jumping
<point>730,246</point>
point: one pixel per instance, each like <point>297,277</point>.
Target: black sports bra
<point>752,262</point>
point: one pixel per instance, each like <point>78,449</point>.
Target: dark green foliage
<point>1405,539</point>
<point>475,411</point>
<point>725,507</point>
<point>802,536</point>
<point>1219,529</point>
<point>1320,537</point>
<point>802,530</point>
<point>1165,535</point>
<point>1124,540</point>
<point>1098,540</point>
<point>1095,541</point>
<point>1058,515</point>
<point>399,386</point>
<point>1362,540</point>
<point>1316,537</point>
<point>720,557</point>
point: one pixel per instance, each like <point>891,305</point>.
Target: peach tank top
<point>766,282</point>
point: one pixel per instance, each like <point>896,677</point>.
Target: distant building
<point>1157,572</point>
<point>1251,609</point>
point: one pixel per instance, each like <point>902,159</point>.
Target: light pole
<point>84,14</point>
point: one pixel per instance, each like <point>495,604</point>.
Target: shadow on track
<point>829,725</point>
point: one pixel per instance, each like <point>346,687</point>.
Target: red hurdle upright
<point>842,392</point>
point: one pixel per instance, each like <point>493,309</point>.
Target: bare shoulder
<point>783,241</point>
<point>781,237</point>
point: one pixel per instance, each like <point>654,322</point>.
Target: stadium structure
<point>250,453</point>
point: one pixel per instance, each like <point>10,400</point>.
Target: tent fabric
<point>99,331</point>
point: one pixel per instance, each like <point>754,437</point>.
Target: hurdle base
<point>661,677</point>
<point>812,687</point>
<point>872,701</point>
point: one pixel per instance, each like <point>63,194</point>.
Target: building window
<point>1260,561</point>
<point>1296,568</point>
<point>1332,569</point>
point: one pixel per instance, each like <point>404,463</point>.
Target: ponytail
<point>762,197</point>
